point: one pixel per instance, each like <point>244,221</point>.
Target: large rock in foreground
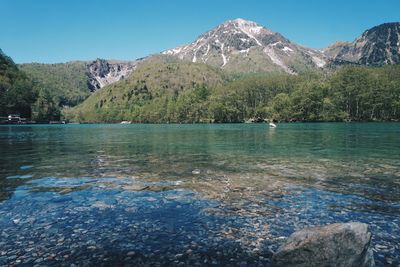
<point>340,244</point>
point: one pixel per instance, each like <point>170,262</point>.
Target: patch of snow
<point>208,50</point>
<point>223,56</point>
<point>203,58</point>
<point>194,60</point>
<point>224,60</point>
<point>274,44</point>
<point>173,51</point>
<point>245,51</point>
<point>249,28</point>
<point>198,40</point>
<point>287,49</point>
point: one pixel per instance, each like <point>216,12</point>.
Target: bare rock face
<point>377,46</point>
<point>104,72</point>
<point>340,244</point>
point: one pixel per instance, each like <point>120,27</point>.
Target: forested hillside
<point>66,82</point>
<point>193,92</point>
<point>350,94</point>
<point>36,92</point>
<point>160,90</point>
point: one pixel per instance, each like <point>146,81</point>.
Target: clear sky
<point>51,31</point>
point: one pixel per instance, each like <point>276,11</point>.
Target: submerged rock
<point>196,171</point>
<point>340,244</point>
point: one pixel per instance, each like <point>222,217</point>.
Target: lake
<point>226,194</point>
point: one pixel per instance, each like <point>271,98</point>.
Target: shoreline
<point>194,123</point>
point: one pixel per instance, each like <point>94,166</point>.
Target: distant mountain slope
<point>67,82</point>
<point>244,46</point>
<point>377,46</point>
<point>159,77</point>
<point>70,83</point>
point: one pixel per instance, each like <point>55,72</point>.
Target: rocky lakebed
<point>124,196</point>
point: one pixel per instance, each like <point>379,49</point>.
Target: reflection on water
<point>241,188</point>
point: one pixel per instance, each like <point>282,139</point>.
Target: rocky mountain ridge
<point>103,72</point>
<point>235,46</point>
<point>245,46</point>
<point>377,46</point>
<point>252,47</point>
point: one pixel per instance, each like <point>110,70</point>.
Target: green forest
<point>352,93</point>
<point>17,90</point>
<point>66,82</point>
<point>21,94</point>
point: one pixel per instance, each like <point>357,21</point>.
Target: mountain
<point>235,46</point>
<point>244,46</point>
<point>157,81</point>
<point>72,82</point>
<point>210,79</point>
<point>377,46</point>
<point>113,90</point>
<point>169,90</point>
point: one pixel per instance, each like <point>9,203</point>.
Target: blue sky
<point>52,31</point>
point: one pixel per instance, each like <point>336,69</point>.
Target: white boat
<point>125,122</point>
<point>272,125</point>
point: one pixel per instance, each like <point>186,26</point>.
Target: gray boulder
<point>340,244</point>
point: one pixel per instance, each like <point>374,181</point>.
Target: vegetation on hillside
<point>67,83</point>
<point>156,92</point>
<point>164,90</point>
<point>39,91</point>
<point>190,93</point>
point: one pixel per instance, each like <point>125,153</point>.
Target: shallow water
<point>191,194</point>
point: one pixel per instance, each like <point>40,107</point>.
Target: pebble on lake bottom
<point>130,224</point>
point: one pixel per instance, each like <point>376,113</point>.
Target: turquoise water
<point>229,194</point>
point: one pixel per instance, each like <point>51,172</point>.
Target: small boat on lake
<point>272,125</point>
<point>125,122</point>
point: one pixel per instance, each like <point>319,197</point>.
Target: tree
<point>281,107</point>
<point>45,107</point>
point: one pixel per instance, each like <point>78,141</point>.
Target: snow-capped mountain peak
<point>250,28</point>
<point>242,44</point>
